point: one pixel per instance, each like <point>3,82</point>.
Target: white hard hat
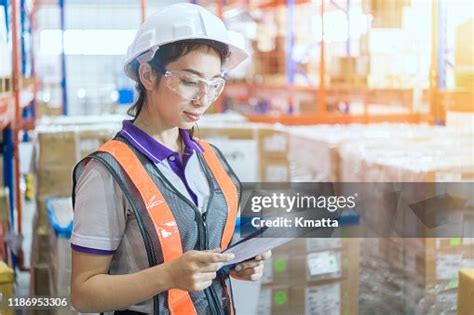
<point>180,22</point>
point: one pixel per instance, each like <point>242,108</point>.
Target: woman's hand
<point>251,270</point>
<point>195,270</point>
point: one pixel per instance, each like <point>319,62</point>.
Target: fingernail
<point>237,268</point>
<point>258,257</point>
<point>231,256</point>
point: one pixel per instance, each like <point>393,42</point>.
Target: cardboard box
<point>64,146</point>
<point>4,207</point>
<point>423,270</point>
<point>466,292</point>
<point>274,300</point>
<point>273,143</point>
<point>331,297</point>
<point>57,148</point>
<point>6,287</point>
<point>294,264</point>
<point>239,147</point>
<point>40,280</point>
<point>274,170</point>
<point>54,181</point>
<point>464,45</point>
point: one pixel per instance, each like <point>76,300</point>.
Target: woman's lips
<point>192,116</point>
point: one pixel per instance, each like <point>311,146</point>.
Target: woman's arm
<point>94,290</point>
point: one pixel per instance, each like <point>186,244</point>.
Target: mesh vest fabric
<point>185,213</point>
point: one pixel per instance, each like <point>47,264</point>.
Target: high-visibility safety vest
<point>157,219</point>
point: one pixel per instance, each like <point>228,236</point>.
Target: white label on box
<point>316,244</point>
<point>323,263</point>
<point>447,266</point>
<point>275,143</point>
<point>323,300</point>
<point>242,156</point>
<point>276,173</point>
<point>264,306</point>
<point>267,275</point>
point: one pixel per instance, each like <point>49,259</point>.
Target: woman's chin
<point>186,125</point>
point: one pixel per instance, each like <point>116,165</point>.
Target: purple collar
<point>152,148</point>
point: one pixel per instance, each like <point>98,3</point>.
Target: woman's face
<point>173,108</point>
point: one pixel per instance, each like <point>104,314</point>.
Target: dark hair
<point>167,54</point>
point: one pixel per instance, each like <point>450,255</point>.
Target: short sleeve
<point>99,212</point>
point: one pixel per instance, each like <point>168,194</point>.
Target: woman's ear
<point>146,76</point>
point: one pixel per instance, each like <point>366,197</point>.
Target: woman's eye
<point>189,82</point>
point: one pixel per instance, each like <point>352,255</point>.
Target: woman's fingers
<point>250,271</point>
<point>247,264</point>
<point>264,255</point>
<point>210,267</point>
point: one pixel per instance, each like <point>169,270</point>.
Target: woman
<point>154,208</point>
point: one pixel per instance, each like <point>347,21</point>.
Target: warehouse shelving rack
<point>436,96</point>
<point>17,114</point>
<point>19,106</point>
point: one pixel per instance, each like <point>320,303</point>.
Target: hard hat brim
<point>236,56</point>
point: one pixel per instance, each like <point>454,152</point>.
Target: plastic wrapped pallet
<point>314,151</point>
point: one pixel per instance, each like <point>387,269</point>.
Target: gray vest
<point>198,231</point>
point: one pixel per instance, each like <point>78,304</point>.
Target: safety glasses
<point>191,86</point>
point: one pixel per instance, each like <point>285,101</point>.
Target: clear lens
<point>192,87</point>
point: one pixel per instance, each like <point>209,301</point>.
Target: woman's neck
<point>154,127</point>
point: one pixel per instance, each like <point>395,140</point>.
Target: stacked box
<point>273,145</point>
<point>312,276</point>
<point>435,271</point>
<point>387,14</point>
<point>40,248</point>
<point>60,216</point>
<point>60,144</point>
<point>269,55</point>
<point>447,158</point>
<point>58,149</point>
<point>466,291</point>
<point>463,59</point>
<point>314,151</point>
<point>405,275</point>
<point>256,152</point>
<point>238,144</point>
<point>6,288</point>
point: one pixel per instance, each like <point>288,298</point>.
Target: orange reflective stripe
<point>228,189</point>
<point>179,301</point>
